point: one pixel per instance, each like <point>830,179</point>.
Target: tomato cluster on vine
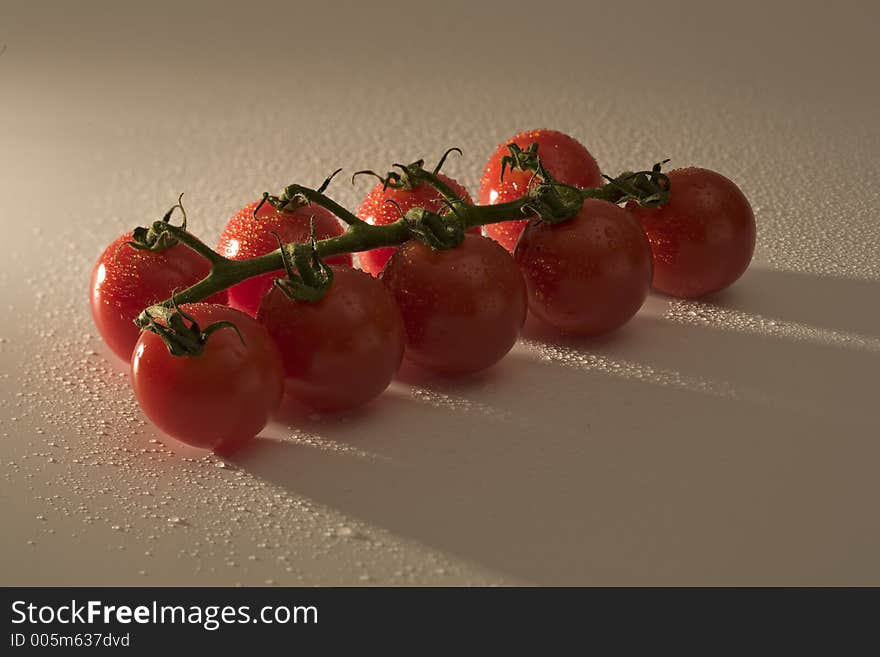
<point>217,338</point>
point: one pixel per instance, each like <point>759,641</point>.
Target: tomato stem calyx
<point>414,175</point>
<point>308,276</point>
<point>297,196</point>
<point>440,232</point>
<point>525,160</point>
<point>181,338</point>
<point>157,237</point>
<point>647,188</point>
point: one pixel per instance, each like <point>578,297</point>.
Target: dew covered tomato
<point>376,210</point>
<point>219,399</point>
<point>462,308</point>
<point>564,157</point>
<point>126,280</point>
<point>703,238</point>
<point>342,350</point>
<point>245,237</point>
<point>587,275</point>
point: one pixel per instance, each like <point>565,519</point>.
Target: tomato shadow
<point>414,375</point>
<point>666,453</point>
<point>295,414</point>
<point>826,302</point>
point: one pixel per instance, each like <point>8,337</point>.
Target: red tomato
<point>219,399</point>
<point>245,237</point>
<point>462,307</point>
<point>126,280</point>
<point>564,157</point>
<point>341,351</point>
<point>587,275</point>
<point>703,238</point>
<point>374,210</point>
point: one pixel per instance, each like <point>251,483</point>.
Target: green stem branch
<point>319,198</point>
<point>188,239</point>
<point>559,201</point>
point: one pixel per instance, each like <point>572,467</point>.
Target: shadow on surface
<point>840,304</point>
<point>635,474</point>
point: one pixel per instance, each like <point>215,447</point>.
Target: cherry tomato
<point>703,238</point>
<point>219,399</point>
<point>341,351</point>
<point>462,307</point>
<point>245,237</point>
<point>587,275</point>
<point>564,157</point>
<point>126,280</point>
<point>375,210</point>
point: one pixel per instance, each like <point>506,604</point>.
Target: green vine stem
<point>550,200</point>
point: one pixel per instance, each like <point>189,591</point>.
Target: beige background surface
<point>732,441</point>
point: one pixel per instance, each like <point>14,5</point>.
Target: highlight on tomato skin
<point>565,158</point>
<point>376,210</point>
<point>246,237</point>
<point>588,275</point>
<point>703,238</point>
<point>220,399</point>
<point>341,351</point>
<point>125,280</point>
<point>463,308</point>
